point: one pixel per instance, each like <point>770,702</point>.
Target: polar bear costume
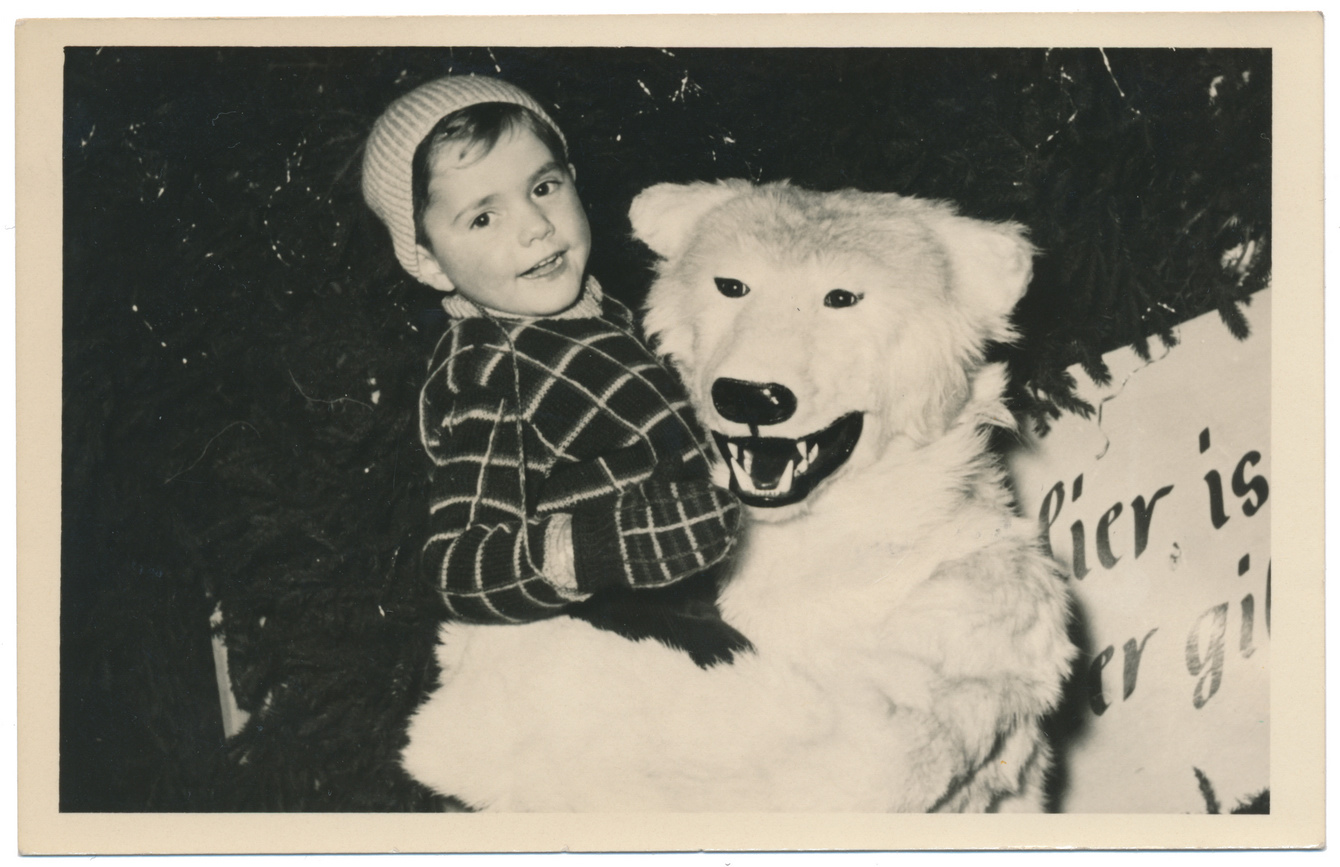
<point>908,634</point>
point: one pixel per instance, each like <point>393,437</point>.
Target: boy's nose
<point>536,226</point>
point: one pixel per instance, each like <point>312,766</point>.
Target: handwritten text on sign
<point>1160,507</point>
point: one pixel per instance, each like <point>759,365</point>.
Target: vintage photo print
<point>604,434</point>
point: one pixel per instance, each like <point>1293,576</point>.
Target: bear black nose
<point>753,403</point>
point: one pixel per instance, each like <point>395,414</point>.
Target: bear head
<point>817,330</point>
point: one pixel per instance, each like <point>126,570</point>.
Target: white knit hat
<point>388,163</point>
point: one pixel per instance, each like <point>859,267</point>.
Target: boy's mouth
<point>547,266</point>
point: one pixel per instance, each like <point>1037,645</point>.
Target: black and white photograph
<point>677,427</point>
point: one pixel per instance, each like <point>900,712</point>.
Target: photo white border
<point>1297,694</point>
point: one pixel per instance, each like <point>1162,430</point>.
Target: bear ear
<point>990,263</point>
<point>665,215</point>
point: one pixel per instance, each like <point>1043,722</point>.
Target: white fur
<point>908,633</point>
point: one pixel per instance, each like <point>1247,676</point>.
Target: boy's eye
<point>479,222</point>
<point>731,288</point>
<point>840,298</point>
<point>546,188</point>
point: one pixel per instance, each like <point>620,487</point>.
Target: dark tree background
<point>242,356</point>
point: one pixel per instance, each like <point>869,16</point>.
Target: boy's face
<point>506,230</point>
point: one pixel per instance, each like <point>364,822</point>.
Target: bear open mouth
<point>776,471</point>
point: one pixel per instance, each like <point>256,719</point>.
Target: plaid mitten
<point>654,534</point>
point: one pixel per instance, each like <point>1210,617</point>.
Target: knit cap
<point>388,163</point>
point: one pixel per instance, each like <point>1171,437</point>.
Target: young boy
<point>566,458</point>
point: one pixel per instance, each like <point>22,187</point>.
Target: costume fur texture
<point>908,634</point>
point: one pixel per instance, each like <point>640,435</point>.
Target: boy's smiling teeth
<point>545,266</point>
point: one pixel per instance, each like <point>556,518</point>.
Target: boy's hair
<point>476,126</point>
<point>389,156</point>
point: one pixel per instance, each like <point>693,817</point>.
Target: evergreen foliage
<point>242,356</point>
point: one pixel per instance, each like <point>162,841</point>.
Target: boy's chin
<point>547,302</point>
<point>566,300</point>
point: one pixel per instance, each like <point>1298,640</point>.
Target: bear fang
<point>777,471</point>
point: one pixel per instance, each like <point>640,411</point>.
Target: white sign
<point>1160,507</point>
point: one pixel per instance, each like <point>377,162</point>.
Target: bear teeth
<point>777,471</point>
<point>807,453</point>
<point>782,485</point>
<point>742,464</point>
<point>802,463</point>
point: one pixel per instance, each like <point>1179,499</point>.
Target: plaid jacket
<point>528,419</point>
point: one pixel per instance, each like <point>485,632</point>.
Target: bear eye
<point>731,288</point>
<point>841,298</point>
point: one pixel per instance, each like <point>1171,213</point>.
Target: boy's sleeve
<point>485,553</point>
<point>637,522</point>
<point>655,533</point>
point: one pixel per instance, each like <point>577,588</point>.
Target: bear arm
<point>992,626</point>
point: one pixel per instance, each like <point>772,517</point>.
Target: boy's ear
<point>431,273</point>
<point>665,215</point>
<point>572,171</point>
